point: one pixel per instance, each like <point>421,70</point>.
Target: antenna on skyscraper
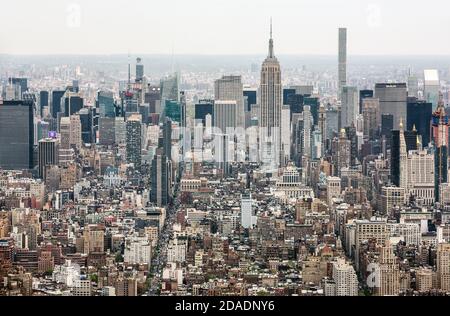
<point>271,54</point>
<point>270,27</point>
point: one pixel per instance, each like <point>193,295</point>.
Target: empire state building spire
<point>271,54</point>
<point>270,110</point>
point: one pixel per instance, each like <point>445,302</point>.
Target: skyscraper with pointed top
<point>270,107</point>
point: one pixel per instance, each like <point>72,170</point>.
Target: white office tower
<point>247,217</point>
<point>307,125</point>
<point>345,280</point>
<point>270,107</point>
<point>342,80</point>
<point>349,106</point>
<point>420,177</point>
<point>230,88</point>
<point>286,133</point>
<point>208,126</point>
<point>431,86</point>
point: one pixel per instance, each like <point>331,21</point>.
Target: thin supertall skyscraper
<point>271,102</point>
<point>440,136</point>
<point>342,80</point>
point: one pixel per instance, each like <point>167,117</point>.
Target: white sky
<point>375,27</point>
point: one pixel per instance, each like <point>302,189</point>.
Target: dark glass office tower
<point>86,125</point>
<point>105,102</point>
<point>95,118</point>
<point>393,100</point>
<point>56,102</point>
<point>160,179</point>
<point>167,138</point>
<point>48,154</point>
<point>183,109</point>
<point>350,131</point>
<point>387,125</point>
<point>250,98</point>
<point>16,135</point>
<point>203,108</point>
<point>295,102</point>
<point>287,92</point>
<point>364,94</point>
<point>22,82</point>
<point>419,117</point>
<point>75,86</point>
<point>43,100</point>
<point>72,104</point>
<point>144,111</point>
<point>395,158</point>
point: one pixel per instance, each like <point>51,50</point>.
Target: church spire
<point>271,54</point>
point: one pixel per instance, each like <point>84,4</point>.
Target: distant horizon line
<point>212,55</point>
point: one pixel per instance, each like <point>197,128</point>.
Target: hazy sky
<point>409,27</point>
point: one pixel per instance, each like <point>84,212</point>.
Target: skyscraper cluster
<point>274,180</point>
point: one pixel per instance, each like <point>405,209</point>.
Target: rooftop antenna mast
<point>271,54</point>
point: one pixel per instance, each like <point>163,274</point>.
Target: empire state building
<point>270,116</point>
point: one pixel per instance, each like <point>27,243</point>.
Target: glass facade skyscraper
<point>16,135</point>
<point>419,118</point>
<point>105,101</point>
